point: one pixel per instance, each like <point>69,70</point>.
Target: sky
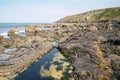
<point>47,11</point>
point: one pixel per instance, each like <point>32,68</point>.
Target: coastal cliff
<point>95,15</point>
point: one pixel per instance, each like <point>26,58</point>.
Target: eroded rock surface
<point>17,53</point>
<point>93,48</point>
<point>94,51</point>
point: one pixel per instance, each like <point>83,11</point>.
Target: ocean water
<point>5,27</point>
<point>33,71</point>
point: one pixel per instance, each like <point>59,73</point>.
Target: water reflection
<point>33,71</point>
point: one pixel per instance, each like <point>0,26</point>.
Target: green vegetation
<point>108,14</point>
<point>96,15</point>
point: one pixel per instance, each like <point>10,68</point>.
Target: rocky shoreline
<point>18,52</point>
<point>17,56</point>
<point>93,48</point>
<point>94,51</point>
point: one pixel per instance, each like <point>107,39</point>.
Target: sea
<point>5,27</point>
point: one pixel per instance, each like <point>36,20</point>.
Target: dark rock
<point>115,62</point>
<point>90,50</point>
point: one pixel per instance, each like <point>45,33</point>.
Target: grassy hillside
<point>96,15</point>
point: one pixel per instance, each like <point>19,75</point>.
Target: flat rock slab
<point>9,50</point>
<point>4,56</point>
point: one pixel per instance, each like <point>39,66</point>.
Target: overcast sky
<point>47,11</point>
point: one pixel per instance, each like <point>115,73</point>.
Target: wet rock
<point>18,53</point>
<point>31,29</point>
<point>58,68</point>
<point>55,44</point>
<point>12,32</point>
<point>4,56</point>
<point>9,50</point>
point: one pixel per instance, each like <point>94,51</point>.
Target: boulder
<point>12,32</point>
<point>92,28</point>
<point>31,29</point>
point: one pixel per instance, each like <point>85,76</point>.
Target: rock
<point>89,59</point>
<point>31,29</point>
<point>9,50</point>
<point>2,78</point>
<point>55,44</point>
<point>92,28</point>
<point>12,32</point>
<point>14,65</point>
<point>115,62</point>
<point>1,38</point>
<point>90,50</point>
<point>88,45</point>
<point>4,56</point>
<point>20,52</point>
<point>83,73</point>
<point>1,49</point>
